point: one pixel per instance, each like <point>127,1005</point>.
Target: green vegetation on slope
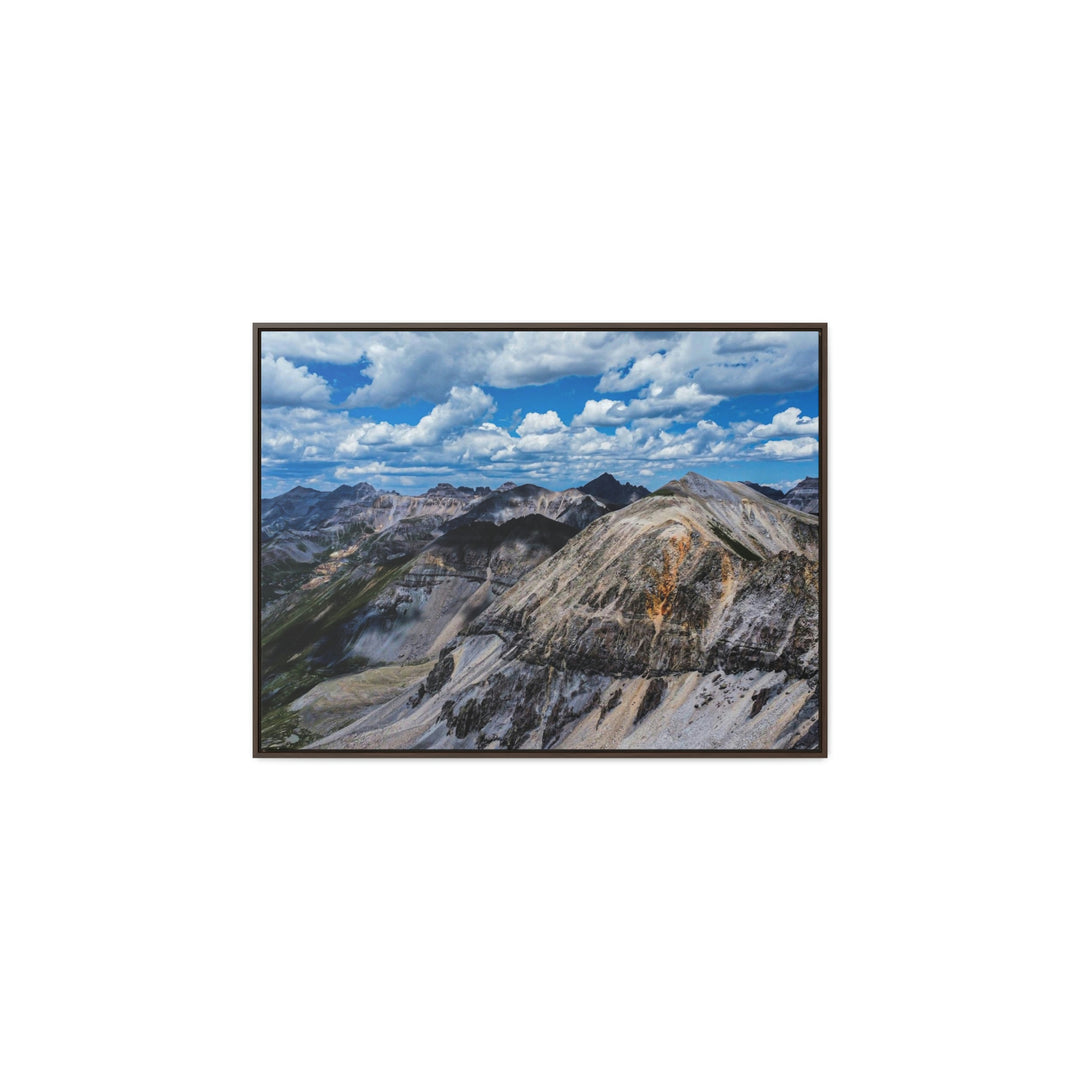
<point>727,538</point>
<point>302,647</point>
<point>309,620</point>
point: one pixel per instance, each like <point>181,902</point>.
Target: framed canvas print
<point>544,539</point>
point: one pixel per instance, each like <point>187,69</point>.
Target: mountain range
<point>599,617</point>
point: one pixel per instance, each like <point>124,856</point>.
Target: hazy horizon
<point>782,485</point>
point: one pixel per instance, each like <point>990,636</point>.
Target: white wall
<point>904,908</point>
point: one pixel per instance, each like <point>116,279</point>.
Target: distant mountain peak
<point>764,489</point>
<point>609,490</point>
<point>805,496</point>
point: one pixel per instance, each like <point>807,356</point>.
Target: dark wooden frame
<point>822,330</point>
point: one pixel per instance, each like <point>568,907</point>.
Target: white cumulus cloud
<point>785,449</point>
<point>283,383</point>
<point>789,422</point>
<point>540,423</point>
<point>403,364</point>
<point>327,347</point>
<point>727,363</point>
<point>681,403</point>
<point>464,407</point>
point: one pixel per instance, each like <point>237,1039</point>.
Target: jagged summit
<point>606,488</point>
<point>574,507</point>
<point>300,492</point>
<point>456,490</point>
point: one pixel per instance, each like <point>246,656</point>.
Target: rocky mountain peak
<point>804,496</point>
<point>611,491</point>
<point>695,484</point>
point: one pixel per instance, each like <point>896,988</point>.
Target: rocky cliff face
<point>448,585</point>
<point>804,496</point>
<point>686,619</point>
<point>395,597</point>
<point>572,507</point>
<point>397,594</point>
<point>308,535</point>
<point>305,528</point>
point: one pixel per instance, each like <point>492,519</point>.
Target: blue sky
<point>404,410</point>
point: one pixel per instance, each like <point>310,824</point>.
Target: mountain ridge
<point>804,496</point>
<point>705,594</point>
<point>525,618</point>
